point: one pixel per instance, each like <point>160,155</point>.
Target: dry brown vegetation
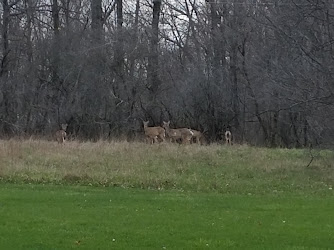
<point>165,165</point>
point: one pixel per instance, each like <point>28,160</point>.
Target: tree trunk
<point>216,44</point>
<point>153,60</point>
<point>97,20</point>
<point>5,42</point>
<point>56,81</point>
<point>119,51</point>
<point>56,40</point>
<point>234,93</point>
<point>135,40</point>
<point>153,67</point>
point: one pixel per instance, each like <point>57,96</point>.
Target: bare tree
<point>263,69</point>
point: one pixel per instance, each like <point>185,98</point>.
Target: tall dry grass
<point>192,167</point>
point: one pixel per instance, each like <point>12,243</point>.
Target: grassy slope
<point>192,197</point>
<point>239,169</point>
<point>55,217</point>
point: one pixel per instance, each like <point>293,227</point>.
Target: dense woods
<point>263,68</point>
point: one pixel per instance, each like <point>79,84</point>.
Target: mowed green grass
<point>65,217</point>
<point>122,195</point>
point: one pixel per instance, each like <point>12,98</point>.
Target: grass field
<point>123,195</point>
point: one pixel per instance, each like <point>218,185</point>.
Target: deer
<point>198,136</point>
<point>153,133</point>
<point>185,134</point>
<point>61,134</point>
<point>228,137</point>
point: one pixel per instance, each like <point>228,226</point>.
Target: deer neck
<point>168,129</point>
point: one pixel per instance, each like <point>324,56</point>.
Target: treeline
<point>264,69</point>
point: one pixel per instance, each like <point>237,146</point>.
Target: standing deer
<point>152,133</point>
<point>198,136</point>
<point>228,137</point>
<point>61,134</point>
<point>185,134</point>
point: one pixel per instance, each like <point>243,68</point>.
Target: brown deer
<point>61,134</point>
<point>153,133</point>
<point>228,137</point>
<point>185,134</point>
<point>198,136</point>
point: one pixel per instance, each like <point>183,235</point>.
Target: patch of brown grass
<point>163,165</point>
